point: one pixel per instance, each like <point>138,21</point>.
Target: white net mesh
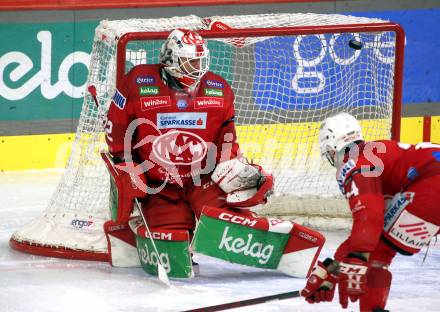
<point>284,86</point>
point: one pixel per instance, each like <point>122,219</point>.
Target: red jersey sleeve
<point>363,191</point>
<point>227,144</point>
<point>119,117</point>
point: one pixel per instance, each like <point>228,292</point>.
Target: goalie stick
<point>247,302</point>
<point>161,272</point>
<point>92,91</point>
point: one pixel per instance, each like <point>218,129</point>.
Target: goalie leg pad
<point>258,242</point>
<point>121,245</point>
<point>301,251</point>
<point>172,250</point>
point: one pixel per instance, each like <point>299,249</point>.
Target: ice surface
<point>32,283</point>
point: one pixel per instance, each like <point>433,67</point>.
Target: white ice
<point>33,283</point>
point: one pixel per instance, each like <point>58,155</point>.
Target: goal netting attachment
<point>288,72</point>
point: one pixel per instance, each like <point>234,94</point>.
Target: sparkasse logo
<point>188,120</point>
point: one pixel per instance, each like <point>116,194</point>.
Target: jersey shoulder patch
<point>346,173</point>
<point>343,173</point>
<point>119,99</point>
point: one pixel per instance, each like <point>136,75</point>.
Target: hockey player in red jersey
<point>172,145</point>
<point>393,190</point>
<point>184,125</point>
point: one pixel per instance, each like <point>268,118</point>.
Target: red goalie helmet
<point>185,56</point>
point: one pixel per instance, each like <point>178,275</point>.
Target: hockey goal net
<point>288,72</point>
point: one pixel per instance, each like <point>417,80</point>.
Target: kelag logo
<point>19,83</point>
<point>44,69</point>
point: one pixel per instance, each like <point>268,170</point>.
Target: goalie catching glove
<point>246,185</point>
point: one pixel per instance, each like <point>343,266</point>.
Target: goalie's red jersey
<point>177,135</point>
<point>383,169</point>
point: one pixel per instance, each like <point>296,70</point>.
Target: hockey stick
<point>248,302</point>
<point>92,91</point>
<point>161,272</point>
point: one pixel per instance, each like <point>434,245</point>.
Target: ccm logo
<point>237,219</point>
<point>160,236</point>
<point>308,237</point>
<point>352,269</point>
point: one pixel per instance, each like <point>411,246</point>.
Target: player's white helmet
<point>335,134</point>
<point>185,56</point>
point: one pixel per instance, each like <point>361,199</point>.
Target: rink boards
<point>257,142</point>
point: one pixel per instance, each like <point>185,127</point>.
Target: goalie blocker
<point>259,242</point>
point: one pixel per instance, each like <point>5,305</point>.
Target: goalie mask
<point>336,133</point>
<point>185,56</point>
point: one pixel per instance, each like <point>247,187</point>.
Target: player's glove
<point>321,283</point>
<point>352,279</point>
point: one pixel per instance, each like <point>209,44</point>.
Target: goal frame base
<point>58,252</point>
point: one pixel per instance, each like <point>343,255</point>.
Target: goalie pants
<point>176,208</point>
